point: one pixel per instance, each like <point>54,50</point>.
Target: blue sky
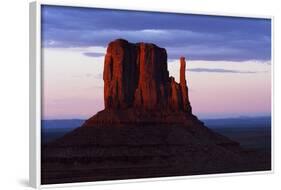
<point>197,37</point>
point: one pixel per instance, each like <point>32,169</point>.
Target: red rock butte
<point>138,88</point>
<point>146,129</point>
<point>136,75</point>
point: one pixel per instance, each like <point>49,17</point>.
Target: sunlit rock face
<point>136,76</point>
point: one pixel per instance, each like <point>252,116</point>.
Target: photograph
<point>130,94</point>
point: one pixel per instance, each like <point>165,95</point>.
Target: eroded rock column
<point>183,86</point>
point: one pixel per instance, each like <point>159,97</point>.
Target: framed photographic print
<point>121,94</point>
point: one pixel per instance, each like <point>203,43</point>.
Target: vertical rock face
<point>120,74</point>
<point>136,75</point>
<point>153,76</point>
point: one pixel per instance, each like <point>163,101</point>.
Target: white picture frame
<point>36,93</point>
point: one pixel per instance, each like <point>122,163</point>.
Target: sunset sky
<point>228,58</point>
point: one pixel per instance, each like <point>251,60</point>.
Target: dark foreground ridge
<point>147,128</point>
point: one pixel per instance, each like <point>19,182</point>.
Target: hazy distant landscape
<point>250,132</point>
<point>54,129</point>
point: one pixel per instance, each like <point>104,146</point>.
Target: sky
<point>228,58</point>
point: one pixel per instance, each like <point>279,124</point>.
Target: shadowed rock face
<point>136,76</point>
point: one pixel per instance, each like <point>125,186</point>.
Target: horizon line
<point>203,118</point>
